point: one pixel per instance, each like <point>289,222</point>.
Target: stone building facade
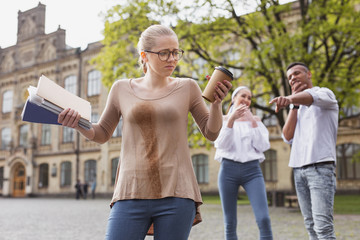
<point>41,159</point>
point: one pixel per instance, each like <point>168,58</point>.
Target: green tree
<point>256,46</point>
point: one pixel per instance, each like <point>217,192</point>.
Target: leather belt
<point>319,164</point>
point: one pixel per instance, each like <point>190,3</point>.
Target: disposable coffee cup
<point>219,74</point>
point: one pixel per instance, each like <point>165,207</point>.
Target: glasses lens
<point>164,55</point>
<point>177,54</point>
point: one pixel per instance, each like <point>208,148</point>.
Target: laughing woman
<point>239,148</point>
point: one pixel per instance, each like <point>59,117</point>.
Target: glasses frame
<point>170,52</point>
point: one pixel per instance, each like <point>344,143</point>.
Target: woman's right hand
<point>69,118</point>
<point>239,111</point>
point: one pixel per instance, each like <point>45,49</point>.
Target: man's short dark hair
<point>297,63</point>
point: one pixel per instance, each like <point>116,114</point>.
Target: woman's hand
<point>239,112</point>
<point>221,90</point>
<point>69,118</point>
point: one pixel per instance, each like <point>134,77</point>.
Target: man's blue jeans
<point>131,219</point>
<point>315,188</point>
<point>232,175</point>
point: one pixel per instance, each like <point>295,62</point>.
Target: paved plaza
<point>70,219</point>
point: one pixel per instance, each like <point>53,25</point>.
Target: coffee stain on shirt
<point>145,117</point>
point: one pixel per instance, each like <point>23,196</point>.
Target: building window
<point>201,167</point>
<point>94,83</point>
<point>23,135</point>
<point>114,164</point>
<point>70,84</point>
<point>90,170</point>
<point>68,135</point>
<point>269,166</point>
<point>117,132</point>
<point>65,176</point>
<point>7,101</point>
<point>43,175</point>
<point>94,117</point>
<point>45,134</point>
<point>1,177</point>
<point>5,138</point>
<point>348,161</point>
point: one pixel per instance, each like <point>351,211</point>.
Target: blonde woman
<point>155,181</point>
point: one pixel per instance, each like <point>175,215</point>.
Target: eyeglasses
<point>164,55</point>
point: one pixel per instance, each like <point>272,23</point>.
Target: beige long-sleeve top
<point>155,160</point>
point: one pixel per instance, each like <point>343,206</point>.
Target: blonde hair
<point>148,39</point>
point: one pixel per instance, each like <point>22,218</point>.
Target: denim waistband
<point>319,164</point>
<point>251,161</point>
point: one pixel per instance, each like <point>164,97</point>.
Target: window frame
<point>113,170</point>
<point>68,135</point>
<point>45,134</point>
<point>43,175</point>
<point>90,170</point>
<point>70,84</point>
<point>345,154</point>
<point>118,129</point>
<point>93,83</point>
<point>201,167</point>
<point>65,174</point>
<point>7,101</point>
<point>5,142</point>
<point>271,163</point>
<point>23,135</point>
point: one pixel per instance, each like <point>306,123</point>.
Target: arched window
<point>43,175</point>
<point>5,137</point>
<point>348,161</point>
<point>114,163</point>
<point>201,167</point>
<point>90,170</point>
<point>65,176</point>
<point>70,84</point>
<point>7,101</point>
<point>94,83</point>
<point>269,166</point>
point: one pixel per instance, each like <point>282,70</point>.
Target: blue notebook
<point>37,114</point>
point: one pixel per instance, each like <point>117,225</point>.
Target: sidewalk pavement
<point>70,219</point>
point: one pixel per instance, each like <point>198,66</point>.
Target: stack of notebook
<point>48,99</point>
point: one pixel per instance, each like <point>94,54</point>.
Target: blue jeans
<point>315,188</point>
<point>131,219</point>
<point>232,175</point>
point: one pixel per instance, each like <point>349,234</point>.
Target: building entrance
<point>19,181</point>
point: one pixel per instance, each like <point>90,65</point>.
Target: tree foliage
<point>256,46</point>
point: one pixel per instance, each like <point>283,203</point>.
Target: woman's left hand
<point>221,90</point>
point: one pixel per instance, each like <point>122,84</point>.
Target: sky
<point>83,20</point>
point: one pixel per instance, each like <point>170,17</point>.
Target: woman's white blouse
<point>242,143</point>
